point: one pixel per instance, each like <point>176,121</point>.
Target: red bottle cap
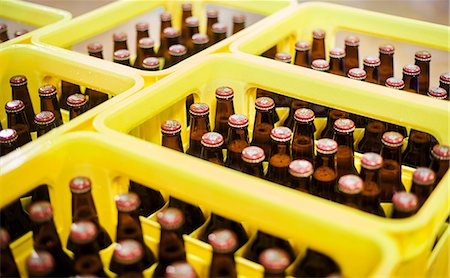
<point>223,241</point>
<point>128,251</point>
<point>83,231</point>
<point>127,202</point>
<point>238,121</point>
<point>318,34</point>
<point>3,27</point>
<point>186,7</point>
<point>18,80</point>
<point>224,92</point>
<point>372,61</point>
<point>40,263</point>
<point>76,100</point>
<point>219,28</point>
<point>437,92</point>
<point>171,32</point>
<point>386,49</point>
<point>47,90</point>
<point>14,106</point>
<point>350,184</point>
<point>326,146</point>
<point>80,185</point>
<point>177,50</point>
<point>171,127</point>
<point>192,21</point>
<point>301,168</point>
<point>283,57</point>
<point>170,218</point>
<point>405,201</point>
<point>352,41</point>
<point>357,74</point>
<point>41,211</point>
<point>274,260</point>
<point>239,18</point>
<point>212,139</point>
<point>121,55</point>
<point>165,16</point>
<point>180,270</point>
<point>4,238</point>
<point>337,53</point>
<point>212,13</point>
<point>253,154</point>
<point>142,26</point>
<point>264,103</point>
<point>304,115</point>
<point>441,152</point>
<point>423,55</point>
<point>371,161</point>
<point>411,69</point>
<point>395,83</point>
<point>320,65</point>
<point>8,135</point>
<point>302,46</point>
<point>281,134</point>
<point>150,63</point>
<point>44,118</point>
<point>95,47</point>
<point>424,176</point>
<point>344,125</point>
<point>120,36</point>
<point>199,109</point>
<point>200,39</point>
<point>392,139</point>
<point>146,43</point>
<point>445,78</point>
<point>19,33</point>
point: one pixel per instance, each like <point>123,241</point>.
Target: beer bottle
<point>20,91</point>
<point>218,222</point>
<point>212,18</point>
<point>418,149</point>
<point>199,113</point>
<point>437,93</point>
<point>397,84</point>
<point>275,261</point>
<point>411,78</point>
<point>294,105</point>
<point>8,264</point>
<point>127,259</point>
<point>372,69</point>
<point>324,176</point>
<point>77,105</point>
<point>262,242</point>
<point>303,141</point>
<point>224,109</point>
<point>166,22</point>
<point>270,53</point>
<point>343,135</point>
<point>171,244</point>
<point>224,243</point>
<point>264,123</point>
<point>405,204</point>
<point>153,199</point>
<point>17,120</point>
<point>390,180</point>
<point>194,217</point>
<point>423,184</point>
<point>280,155</point>
<point>14,219</point>
<point>238,140</point>
<point>3,32</point>
<point>171,36</point>
<point>440,157</point>
<point>177,53</point>
<point>422,59</point>
<point>95,97</point>
<point>122,56</point>
<point>8,141</point>
<point>253,158</point>
<point>316,264</point>
<point>180,270</point>
<point>45,237</point>
<point>386,62</point>
<point>83,208</point>
<point>199,43</point>
<point>351,53</point>
<point>318,45</point>
<point>49,102</point>
<point>238,23</point>
<point>141,32</point>
<point>41,264</point>
<point>370,195</point>
<point>320,65</point>
<point>95,50</point>
<point>333,115</point>
<point>212,148</point>
<point>302,56</point>
<point>67,89</point>
<point>187,13</point>
<point>120,41</point>
<point>371,141</point>
<point>219,33</point>
<point>45,122</point>
<point>337,61</point>
<point>151,64</point>
<point>300,172</point>
<point>192,28</point>
<point>444,83</point>
<point>392,146</point>
<point>350,187</point>
<point>171,135</point>
<point>145,50</point>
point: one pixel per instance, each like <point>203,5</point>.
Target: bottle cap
<point>372,61</point>
<point>192,21</point>
<point>445,78</point>
<point>142,26</point>
<point>423,55</point>
<point>127,202</point>
<point>122,55</point>
<point>264,103</point>
<point>318,34</point>
<point>171,127</point>
<point>47,90</point>
<point>386,49</point>
<point>424,176</point>
<point>200,39</point>
<point>40,211</point>
<point>4,238</point>
<point>171,32</point>
<point>44,118</point>
<point>337,53</point>
<point>441,152</point>
<point>76,100</point>
<point>274,260</point>
<point>170,218</point>
<point>320,65</point>
<point>146,43</point>
<point>238,121</point>
<point>80,185</point>
<point>239,18</point>
<point>120,36</point>
<point>405,201</point>
<point>150,63</point>
<point>437,92</point>
<point>40,263</point>
<point>283,57</point>
<point>326,146</point>
<point>302,46</point>
<point>19,33</point>
<point>350,184</point>
<point>128,251</point>
<point>357,74</point>
<point>411,69</point>
<point>212,139</point>
<point>395,83</point>
<point>301,168</point>
<point>177,50</point>
<point>223,241</point>
<point>352,41</point>
<point>224,92</point>
<point>18,80</point>
<point>199,109</point>
<point>95,47</point>
<point>344,125</point>
<point>304,115</point>
<point>212,13</point>
<point>186,7</point>
<point>14,106</point>
<point>281,134</point>
<point>371,161</point>
<point>8,135</point>
<point>253,154</point>
<point>219,28</point>
<point>392,139</point>
<point>180,270</point>
<point>83,231</point>
<point>165,16</point>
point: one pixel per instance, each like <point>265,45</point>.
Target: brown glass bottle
<point>224,109</point>
<point>343,135</point>
<point>120,41</point>
<point>45,122</point>
<point>180,270</point>
<point>177,54</point>
<point>422,59</point>
<point>405,204</point>
<point>390,180</point>
<point>302,55</point>
<point>324,176</point>
<point>187,13</point>
<point>386,55</point>
<point>423,184</point>
<point>122,56</point>
<point>49,102</point>
<point>300,172</point>
<point>152,199</point>
<point>17,120</point>
<point>77,105</point>
<point>417,151</point>
<point>166,22</point>
<point>224,243</point>
<point>440,158</point>
<point>411,78</point>
<point>318,45</point>
<point>20,91</point>
<point>218,222</point>
<point>444,83</point>
<point>3,32</point>
<point>252,161</point>
<point>262,242</point>
<point>316,264</point>
<point>370,195</point>
<point>142,31</point>
<point>351,53</point>
<point>146,49</point>
<point>322,66</point>
<point>372,68</point>
<point>397,84</point>
<point>264,123</point>
<point>171,36</point>
<point>8,264</point>
<point>199,43</point>
<point>95,50</point>
<point>333,115</point>
<point>270,53</point>
<point>151,64</point>
<point>280,155</point>
<point>371,141</point>
<point>337,61</point>
<point>95,97</point>
<point>349,189</point>
<point>171,135</point>
<point>219,33</point>
<point>41,264</point>
<point>238,140</point>
<point>127,258</point>
<point>303,139</point>
<point>392,146</point>
<point>275,261</point>
<point>67,89</point>
<point>211,151</point>
<point>212,18</point>
<point>199,125</point>
<point>8,141</point>
<point>238,23</point>
<point>192,27</point>
<point>437,93</point>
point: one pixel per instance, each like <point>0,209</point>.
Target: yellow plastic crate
<point>438,265</point>
<point>36,18</point>
<point>110,163</point>
<point>100,24</point>
<point>43,66</point>
<point>141,116</point>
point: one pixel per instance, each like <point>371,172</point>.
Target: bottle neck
<point>83,207</point>
<point>304,129</point>
<point>217,37</point>
<point>171,248</point>
<point>125,62</point>
<point>440,167</point>
<point>337,66</point>
<point>325,160</point>
<point>386,67</point>
<point>164,25</point>
<point>199,126</point>
<point>129,227</point>
<point>223,265</point>
<point>120,45</point>
<point>192,31</point>
<point>351,57</point>
<point>46,237</point>
<point>302,58</point>
<point>394,153</point>
<point>264,117</point>
<point>43,129</point>
<point>196,48</point>
<point>17,119</point>
<point>141,35</point>
<point>238,27</point>
<point>172,141</point>
<point>254,169</point>
<point>424,76</point>
<point>97,54</point>
<point>344,139</point>
<point>300,183</point>
<point>213,155</point>
<point>224,109</point>
<point>51,104</point>
<point>422,192</point>
<point>6,148</point>
<point>373,74</point>
<point>318,49</point>
<point>411,83</point>
<point>77,111</point>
